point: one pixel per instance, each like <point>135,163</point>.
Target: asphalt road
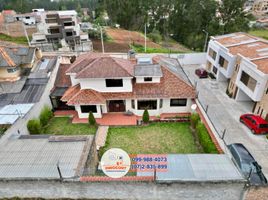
<point>224,113</point>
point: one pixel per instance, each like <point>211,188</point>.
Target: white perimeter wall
<point>192,58</point>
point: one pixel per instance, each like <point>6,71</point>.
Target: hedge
<point>145,116</point>
<point>45,115</point>
<point>194,118</point>
<point>204,138</point>
<point>34,126</point>
<point>91,119</point>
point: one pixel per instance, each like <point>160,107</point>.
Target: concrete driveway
<point>224,113</point>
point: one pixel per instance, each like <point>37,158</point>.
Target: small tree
<point>145,116</point>
<point>34,126</point>
<point>91,119</point>
<point>45,115</point>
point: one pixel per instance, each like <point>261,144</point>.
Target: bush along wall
<point>202,134</point>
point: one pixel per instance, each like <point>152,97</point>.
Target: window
<point>223,63</point>
<point>147,104</point>
<point>266,91</point>
<point>161,103</point>
<point>133,103</point>
<point>68,24</point>
<point>178,102</point>
<point>27,17</point>
<point>12,70</point>
<point>148,79</point>
<point>212,54</point>
<point>87,109</point>
<point>114,82</point>
<point>215,70</point>
<point>248,81</point>
<point>69,34</point>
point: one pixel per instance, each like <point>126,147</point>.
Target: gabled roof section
<point>70,92</point>
<point>75,96</point>
<point>83,61</point>
<point>107,67</point>
<point>170,86</point>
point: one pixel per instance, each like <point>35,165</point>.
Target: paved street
<point>224,113</point>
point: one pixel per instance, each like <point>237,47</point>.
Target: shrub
<point>204,138</point>
<point>155,36</point>
<point>34,126</point>
<point>45,115</point>
<point>91,119</point>
<point>145,116</point>
<point>194,120</point>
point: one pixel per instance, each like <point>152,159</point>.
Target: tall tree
<point>232,16</point>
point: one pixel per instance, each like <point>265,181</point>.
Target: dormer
<point>148,73</point>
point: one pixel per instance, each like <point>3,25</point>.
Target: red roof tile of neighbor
<point>234,38</point>
<point>63,80</point>
<point>250,50</point>
<point>262,65</point>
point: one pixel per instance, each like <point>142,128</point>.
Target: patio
<point>115,119</point>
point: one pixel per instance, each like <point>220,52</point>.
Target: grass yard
<point>260,33</point>
<point>17,40</point>
<point>156,138</point>
<point>63,126</point>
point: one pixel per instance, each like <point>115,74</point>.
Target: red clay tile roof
<point>85,97</point>
<point>262,64</point>
<point>107,67</point>
<point>70,92</point>
<point>170,86</point>
<point>82,61</point>
<point>63,80</point>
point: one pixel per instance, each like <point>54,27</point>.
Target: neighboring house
<point>27,18</point>
<point>104,84</point>
<point>242,61</point>
<point>61,28</point>
<point>9,16</point>
<point>263,22</point>
<point>62,83</point>
<point>260,7</point>
<point>14,61</point>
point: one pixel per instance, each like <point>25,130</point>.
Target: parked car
<point>201,73</point>
<point>255,123</point>
<point>247,164</point>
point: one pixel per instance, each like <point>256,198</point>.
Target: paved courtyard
<point>224,113</point>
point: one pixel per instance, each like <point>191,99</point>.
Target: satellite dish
<point>193,107</point>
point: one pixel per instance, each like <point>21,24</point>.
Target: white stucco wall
<point>141,80</point>
<point>100,85</point>
<point>252,71</point>
<point>85,115</point>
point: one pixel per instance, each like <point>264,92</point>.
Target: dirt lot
<point>121,36</point>
<point>110,46</point>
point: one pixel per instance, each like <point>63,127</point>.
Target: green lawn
<point>63,126</point>
<point>156,138</point>
<point>260,33</point>
<point>18,40</point>
<point>141,49</point>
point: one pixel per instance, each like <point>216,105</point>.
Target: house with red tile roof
<point>241,60</point>
<point>103,84</point>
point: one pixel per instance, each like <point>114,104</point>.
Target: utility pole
<point>205,45</point>
<point>145,42</point>
<point>102,45</point>
<point>26,34</point>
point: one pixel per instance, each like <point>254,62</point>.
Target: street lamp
<point>205,45</point>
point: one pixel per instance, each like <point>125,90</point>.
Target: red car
<point>255,123</point>
<point>201,73</point>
